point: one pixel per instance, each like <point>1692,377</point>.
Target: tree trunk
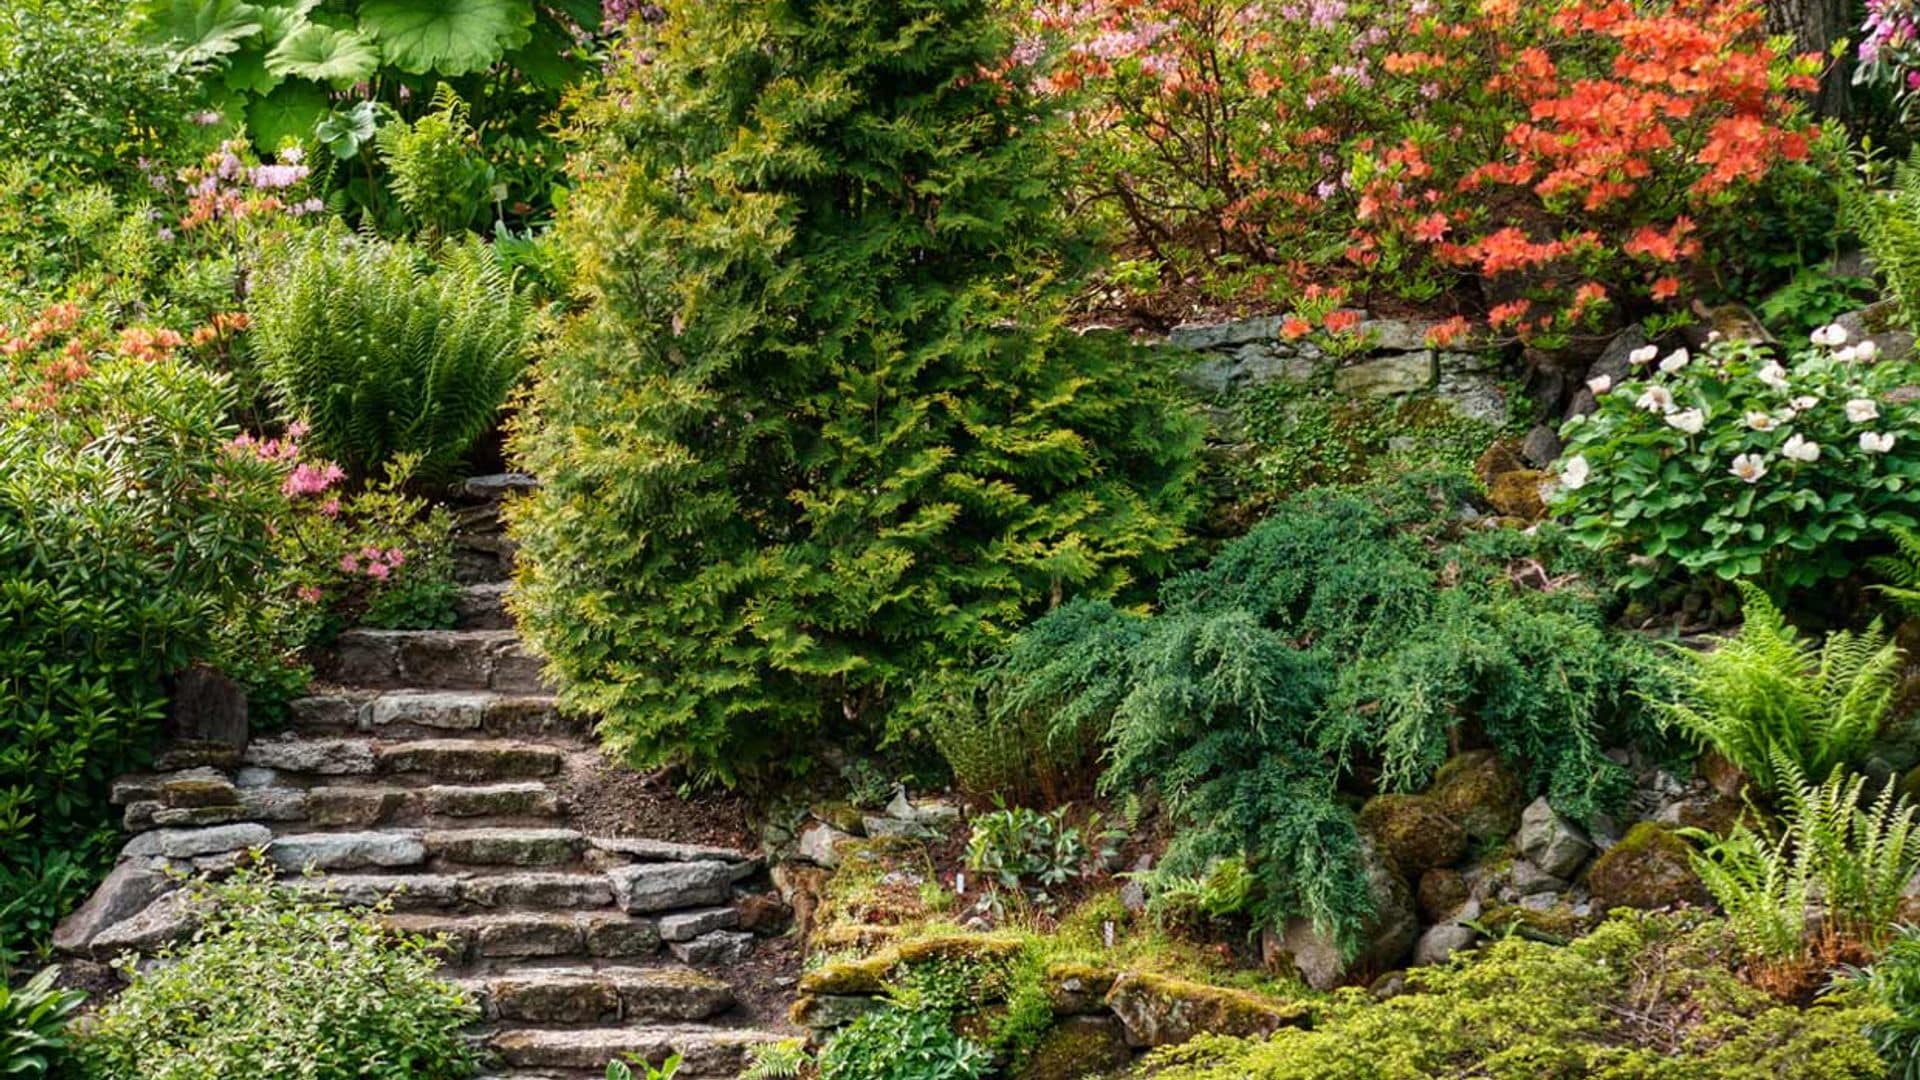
<point>1815,25</point>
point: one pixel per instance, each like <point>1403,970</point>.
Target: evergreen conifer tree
<point>817,436</point>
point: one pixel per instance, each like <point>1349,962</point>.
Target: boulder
<point>1553,842</point>
<point>167,919</point>
<point>824,1012</point>
<point>1478,793</point>
<point>1651,867</point>
<point>128,890</point>
<point>1384,940</point>
<point>648,887</point>
<point>1388,376</point>
<point>1156,1010</point>
<point>820,843</point>
<point>1412,833</point>
<point>1442,892</point>
<point>1441,942</point>
<point>1077,989</point>
<point>1077,1046</point>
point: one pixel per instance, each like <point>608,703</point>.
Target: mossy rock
<point>1412,832</point>
<point>867,975</point>
<point>1442,892</point>
<point>1480,794</point>
<point>824,1012</point>
<point>862,936</point>
<point>1517,494</point>
<point>1556,925</point>
<point>1078,1046</point>
<point>843,816</point>
<point>1651,867</point>
<point>1158,1010</point>
<point>1076,989</point>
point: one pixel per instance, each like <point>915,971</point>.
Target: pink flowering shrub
<point>1539,163</point>
<point>1890,51</point>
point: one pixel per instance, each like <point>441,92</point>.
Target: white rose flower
<point>1657,399</point>
<point>1760,421</point>
<point>1862,410</point>
<point>1805,402</point>
<point>1773,375</point>
<point>1600,384</point>
<point>1688,420</point>
<point>1574,472</point>
<point>1643,355</point>
<point>1866,350</point>
<point>1875,442</point>
<point>1749,467</point>
<point>1675,360</point>
<point>1799,449</point>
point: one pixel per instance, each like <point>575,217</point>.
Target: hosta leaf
<point>290,112</point>
<point>324,55</point>
<point>200,31</point>
<point>452,37</point>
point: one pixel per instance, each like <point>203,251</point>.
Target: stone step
<point>483,606</point>
<point>470,760</point>
<point>392,849</point>
<point>611,995</point>
<point>425,713</point>
<point>465,892</point>
<point>485,941</point>
<point>433,660</point>
<point>704,1051</point>
<point>505,846</point>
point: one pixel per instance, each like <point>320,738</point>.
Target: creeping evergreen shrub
<point>280,982</point>
<point>128,531</point>
<point>1645,997</point>
<point>1346,631</point>
<point>386,352</point>
<point>818,438</point>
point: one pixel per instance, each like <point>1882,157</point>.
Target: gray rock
<point>650,887</point>
<point>882,825</point>
<point>348,851</point>
<point>539,890</point>
<point>128,890</point>
<point>687,925</point>
<point>1202,336</point>
<point>135,788</point>
<point>1476,397</point>
<point>497,485</point>
<point>1395,335</point>
<point>169,918</point>
<point>273,803</point>
<point>824,1012</point>
<point>1541,447</point>
<point>1384,940</point>
<point>322,757</point>
<point>718,947</point>
<point>1441,942</point>
<point>406,891</point>
<point>820,843</point>
<point>189,843</point>
<point>253,776</point>
<point>641,849</point>
<point>1528,879</point>
<point>1555,844</point>
<point>1406,373</point>
<point>193,816</point>
<point>449,709</point>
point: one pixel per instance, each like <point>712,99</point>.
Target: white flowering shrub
<point>1734,465</point>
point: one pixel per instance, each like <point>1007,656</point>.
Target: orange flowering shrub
<point>1545,160</point>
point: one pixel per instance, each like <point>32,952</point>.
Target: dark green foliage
<point>386,352</point>
<point>1347,634</point>
<point>819,438</point>
<point>83,96</point>
<point>903,1044</point>
<point>127,532</point>
<point>1892,982</point>
<point>33,1026</point>
<point>280,982</point>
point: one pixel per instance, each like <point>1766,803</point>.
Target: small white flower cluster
<point>1750,467</point>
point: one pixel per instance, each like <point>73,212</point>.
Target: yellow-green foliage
<point>1646,997</point>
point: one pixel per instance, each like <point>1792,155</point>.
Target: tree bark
<point>1815,25</point>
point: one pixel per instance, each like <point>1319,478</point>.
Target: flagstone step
<point>426,713</point>
<point>704,1051</point>
<point>434,660</point>
<point>609,995</point>
<point>469,893</point>
<point>486,941</point>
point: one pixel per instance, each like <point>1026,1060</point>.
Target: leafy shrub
<point>1767,694</point>
<point>1733,465</point>
<point>1836,868</point>
<point>1345,628</point>
<point>1569,153</point>
<point>33,1026</point>
<point>128,534</point>
<point>1645,997</point>
<point>388,354</point>
<point>284,982</point>
<point>1013,846</point>
<point>438,177</point>
<point>83,95</point>
<point>892,1043</point>
<point>820,439</point>
<point>1892,981</point>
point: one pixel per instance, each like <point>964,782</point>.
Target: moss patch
<point>1161,1011</point>
<point>1650,867</point>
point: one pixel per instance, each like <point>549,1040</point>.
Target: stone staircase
<point>431,769</point>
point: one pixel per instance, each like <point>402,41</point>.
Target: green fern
<point>1767,695</point>
<point>1900,571</point>
<point>435,167</point>
<point>387,353</point>
<point>1888,221</point>
<point>777,1061</point>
